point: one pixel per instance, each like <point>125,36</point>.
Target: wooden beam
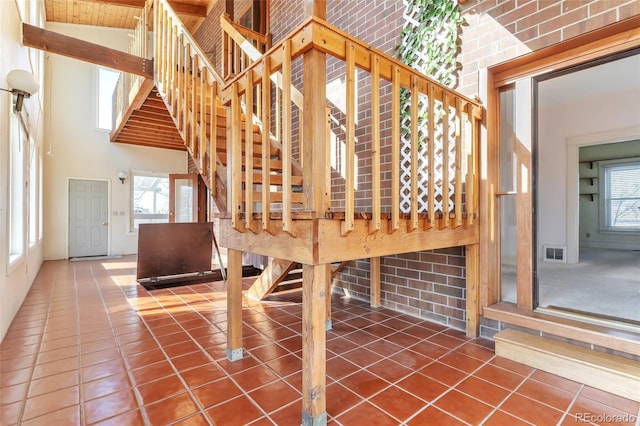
<point>234,305</point>
<point>178,6</point>
<point>317,8</point>
<point>374,282</point>
<point>472,263</point>
<point>272,275</point>
<point>314,409</point>
<point>64,45</point>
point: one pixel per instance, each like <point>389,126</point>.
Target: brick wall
<point>431,284</point>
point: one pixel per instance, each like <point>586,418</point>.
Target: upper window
<point>107,80</point>
<point>149,199</point>
<point>17,147</point>
<point>620,205</point>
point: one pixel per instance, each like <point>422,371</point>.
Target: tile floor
<point>89,346</point>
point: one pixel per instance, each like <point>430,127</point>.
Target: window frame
<point>605,199</point>
<point>132,190</point>
<point>19,140</point>
<point>99,98</point>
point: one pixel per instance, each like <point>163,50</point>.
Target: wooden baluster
<point>457,206</point>
<point>248,151</point>
<point>395,148</point>
<point>413,197</point>
<point>445,162</point>
<point>472,177</point>
<point>431,195</point>
<point>203,116</point>
<point>213,136</point>
<point>193,109</point>
<point>185,94</point>
<point>225,55</point>
<point>157,54</point>
<point>180,66</point>
<point>350,134</point>
<point>170,59</point>
<point>235,152</point>
<point>374,224</point>
<point>287,224</point>
<point>266,145</point>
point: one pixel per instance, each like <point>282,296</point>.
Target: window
<point>33,194</point>
<point>149,199</point>
<point>107,80</point>
<point>620,205</point>
<point>17,147</point>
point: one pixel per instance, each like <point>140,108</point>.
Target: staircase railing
<point>128,85</point>
<point>241,46</point>
<point>190,86</point>
<point>441,191</point>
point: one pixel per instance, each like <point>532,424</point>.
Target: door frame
<point>66,212</point>
<point>194,177</point>
<point>606,41</point>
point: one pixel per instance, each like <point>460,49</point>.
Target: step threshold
<point>607,372</point>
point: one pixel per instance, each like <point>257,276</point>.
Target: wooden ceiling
<point>121,13</point>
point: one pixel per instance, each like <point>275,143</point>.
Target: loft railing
<point>190,86</point>
<point>442,185</point>
<point>128,85</point>
<point>241,46</point>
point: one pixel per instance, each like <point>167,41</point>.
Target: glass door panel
<point>183,198</point>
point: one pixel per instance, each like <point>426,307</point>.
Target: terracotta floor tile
<point>463,407</point>
<point>610,400</point>
<point>55,367</point>
<point>585,406</point>
<point>109,405</point>
<point>59,343</point>
<point>160,389</point>
<point>97,345</point>
<point>364,383</point>
<point>556,381</point>
<point>546,394</point>
<point>171,409</point>
<point>19,363</point>
<point>289,415</point>
<point>203,374</point>
<point>476,351</point>
<point>398,403</point>
<point>136,347</point>
<point>286,365</point>
<point>483,390</point>
<point>105,369</point>
<point>432,416</point>
<point>338,368</point>
<point>52,383</point>
<point>274,395</point>
<point>429,349</point>
<point>152,372</point>
<point>8,378</point>
<point>500,418</point>
<point>422,387</point>
<point>10,413</point>
<point>268,352</point>
<point>57,354</point>
<point>182,348</point>
<point>236,366</point>
<point>340,399</point>
<point>389,370</point>
<point>13,393</point>
<point>419,331</point>
<point>531,411</point>
<point>238,411</point>
<point>411,359</point>
<point>362,357</point>
<point>52,401</point>
<point>361,338</point>
<point>366,414</point>
<point>144,358</point>
<point>445,340</point>
<point>130,418</point>
<point>105,386</point>
<point>196,420</point>
<point>216,392</point>
<point>192,360</point>
<point>254,377</point>
<point>512,366</point>
<point>443,373</point>
<point>499,376</point>
<point>65,416</point>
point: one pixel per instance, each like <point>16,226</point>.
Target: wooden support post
<point>472,260</point>
<point>328,323</point>
<point>234,305</point>
<point>374,282</point>
<point>314,293</point>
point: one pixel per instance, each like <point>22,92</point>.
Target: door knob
<point>105,223</point>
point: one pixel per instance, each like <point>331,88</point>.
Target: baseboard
<point>610,373</point>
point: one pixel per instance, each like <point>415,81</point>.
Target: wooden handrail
<point>442,184</point>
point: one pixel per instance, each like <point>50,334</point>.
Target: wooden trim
<point>395,148</point>
<point>431,195</point>
<point>286,137</point>
<point>266,144</point>
<point>413,204</point>
<point>472,290</point>
<point>350,136</point>
<point>375,143</point>
<point>593,334</point>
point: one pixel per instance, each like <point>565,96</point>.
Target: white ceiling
<point>621,76</point>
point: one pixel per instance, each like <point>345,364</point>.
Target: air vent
<point>555,254</point>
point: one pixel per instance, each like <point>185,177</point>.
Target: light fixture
<point>23,84</point>
<point>122,175</point>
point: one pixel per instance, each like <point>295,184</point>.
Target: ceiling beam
<point>61,44</point>
<point>178,6</point>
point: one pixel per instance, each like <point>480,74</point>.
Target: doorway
<point>587,190</point>
<point>88,218</point>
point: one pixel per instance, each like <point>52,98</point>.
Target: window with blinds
<point>620,206</point>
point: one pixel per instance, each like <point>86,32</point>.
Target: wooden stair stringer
<point>273,274</point>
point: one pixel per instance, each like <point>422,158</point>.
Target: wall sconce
<point>122,175</point>
<point>23,84</point>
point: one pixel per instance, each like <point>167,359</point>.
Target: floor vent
<point>555,254</point>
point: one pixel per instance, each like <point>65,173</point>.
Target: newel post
<point>317,197</point>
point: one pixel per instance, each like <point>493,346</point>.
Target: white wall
<point>80,150</point>
<point>16,279</point>
<point>601,114</point>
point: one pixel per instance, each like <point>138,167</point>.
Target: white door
<point>88,218</point>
